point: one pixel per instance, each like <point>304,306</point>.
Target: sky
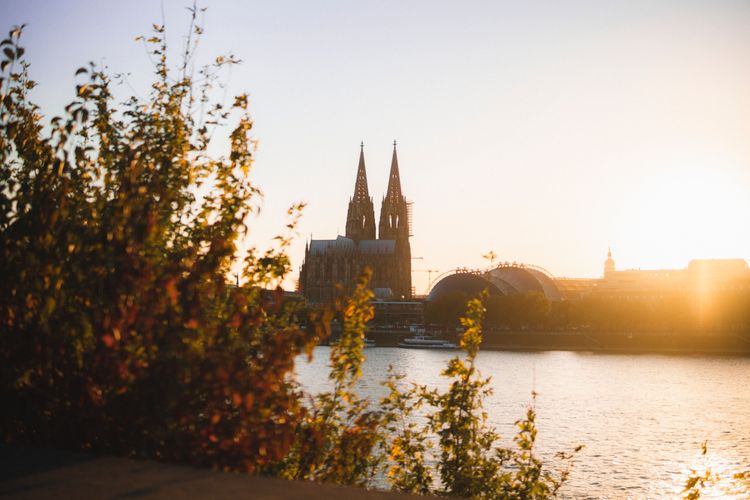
<point>544,131</point>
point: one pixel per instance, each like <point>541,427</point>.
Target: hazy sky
<point>545,131</point>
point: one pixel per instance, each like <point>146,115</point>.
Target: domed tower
<point>360,218</point>
<point>609,265</point>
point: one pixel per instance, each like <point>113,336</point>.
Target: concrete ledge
<point>32,473</point>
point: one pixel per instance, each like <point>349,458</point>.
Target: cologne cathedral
<point>340,261</point>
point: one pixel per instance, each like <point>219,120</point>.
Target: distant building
<point>609,265</point>
<point>507,278</point>
<point>341,260</point>
<point>702,277</point>
<point>575,288</point>
<point>397,314</point>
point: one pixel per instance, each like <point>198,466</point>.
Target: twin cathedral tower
<point>328,262</point>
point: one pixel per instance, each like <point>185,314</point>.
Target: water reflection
<point>641,417</point>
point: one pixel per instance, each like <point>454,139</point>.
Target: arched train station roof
<point>506,279</point>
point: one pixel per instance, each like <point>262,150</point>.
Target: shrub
<point>340,439</point>
<point>468,460</point>
<point>118,330</point>
<point>697,484</point>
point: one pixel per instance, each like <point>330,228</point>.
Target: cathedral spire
<point>360,218</point>
<point>393,193</point>
<point>394,225</point>
<point>393,212</point>
<point>361,193</point>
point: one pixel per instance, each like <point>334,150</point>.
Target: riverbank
<point>616,342</point>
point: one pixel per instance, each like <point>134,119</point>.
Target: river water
<point>642,418</point>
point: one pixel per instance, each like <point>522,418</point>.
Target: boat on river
<point>426,342</point>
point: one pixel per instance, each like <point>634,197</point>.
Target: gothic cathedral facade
<point>340,261</point>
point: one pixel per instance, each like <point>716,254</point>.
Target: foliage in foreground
<point>119,332</point>
<point>469,462</point>
<point>339,439</point>
<point>698,484</point>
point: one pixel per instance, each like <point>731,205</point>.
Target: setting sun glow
<point>679,214</point>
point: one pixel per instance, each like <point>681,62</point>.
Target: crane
<point>429,276</point>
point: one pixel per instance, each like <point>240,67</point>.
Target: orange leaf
<point>172,290</point>
<point>249,400</point>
